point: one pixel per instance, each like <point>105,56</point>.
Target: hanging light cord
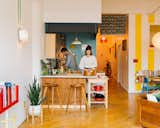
<point>19,13</point>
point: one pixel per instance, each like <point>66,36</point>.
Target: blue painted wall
<point>85,38</point>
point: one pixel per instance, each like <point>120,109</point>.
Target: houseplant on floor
<point>35,97</point>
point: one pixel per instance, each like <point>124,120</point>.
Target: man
<point>70,59</point>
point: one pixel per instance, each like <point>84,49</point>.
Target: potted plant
<point>34,95</point>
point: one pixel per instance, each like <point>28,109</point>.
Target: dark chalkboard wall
<point>114,24</point>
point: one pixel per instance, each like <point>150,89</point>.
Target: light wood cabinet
<point>50,45</point>
<point>53,44</point>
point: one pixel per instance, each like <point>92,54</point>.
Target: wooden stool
<point>54,88</point>
<point>74,87</point>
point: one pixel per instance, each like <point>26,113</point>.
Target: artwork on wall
<point>110,50</point>
<point>115,50</point>
<point>124,45</point>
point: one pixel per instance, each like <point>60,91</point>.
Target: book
<point>13,93</point>
<point>1,99</point>
<point>4,95</point>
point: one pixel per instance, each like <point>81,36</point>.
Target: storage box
<point>149,112</point>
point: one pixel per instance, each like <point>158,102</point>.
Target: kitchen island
<point>64,81</point>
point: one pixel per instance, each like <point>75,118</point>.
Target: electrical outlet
<point>24,104</point>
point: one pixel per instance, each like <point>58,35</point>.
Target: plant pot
<point>35,110</point>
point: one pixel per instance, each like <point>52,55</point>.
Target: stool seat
<point>50,85</point>
<point>77,85</point>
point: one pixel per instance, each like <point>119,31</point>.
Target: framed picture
<point>124,45</point>
<point>115,50</point>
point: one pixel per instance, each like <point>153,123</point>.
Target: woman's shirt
<point>88,62</point>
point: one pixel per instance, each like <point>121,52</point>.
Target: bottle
<point>62,69</point>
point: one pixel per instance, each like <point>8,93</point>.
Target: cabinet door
<point>50,45</point>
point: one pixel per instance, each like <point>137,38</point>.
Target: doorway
<point>112,53</point>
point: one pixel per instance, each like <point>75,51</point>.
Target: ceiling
<point>129,6</point>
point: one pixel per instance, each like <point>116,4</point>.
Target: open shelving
<point>10,101</point>
<point>102,81</point>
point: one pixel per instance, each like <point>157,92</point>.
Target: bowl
<point>98,88</point>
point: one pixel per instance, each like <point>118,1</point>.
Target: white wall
<point>79,11</point>
<point>37,36</point>
<point>16,63</point>
<point>131,53</point>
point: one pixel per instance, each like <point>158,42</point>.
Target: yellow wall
<point>151,20</point>
<point>138,42</point>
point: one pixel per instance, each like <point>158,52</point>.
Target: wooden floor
<point>120,114</point>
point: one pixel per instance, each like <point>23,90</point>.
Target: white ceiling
<point>129,6</point>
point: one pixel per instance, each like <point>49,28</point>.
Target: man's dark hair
<point>64,50</point>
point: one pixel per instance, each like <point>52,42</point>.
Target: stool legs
<point>84,97</point>
<point>44,94</point>
<point>80,99</point>
<point>52,95</point>
<point>54,89</point>
<point>58,96</point>
<point>69,97</point>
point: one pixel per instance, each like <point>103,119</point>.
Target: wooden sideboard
<point>148,112</point>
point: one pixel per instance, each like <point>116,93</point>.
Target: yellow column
<point>151,20</point>
<point>138,42</point>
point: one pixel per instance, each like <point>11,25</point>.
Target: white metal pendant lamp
<point>76,41</point>
<point>156,40</point>
<point>22,33</point>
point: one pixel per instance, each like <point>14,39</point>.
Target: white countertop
<point>68,76</point>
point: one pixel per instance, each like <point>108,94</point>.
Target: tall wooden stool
<point>71,94</point>
<point>54,88</point>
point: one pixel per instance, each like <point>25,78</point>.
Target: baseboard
<point>64,106</point>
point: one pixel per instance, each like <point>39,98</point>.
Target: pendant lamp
<point>22,33</point>
<point>156,40</point>
<point>76,41</point>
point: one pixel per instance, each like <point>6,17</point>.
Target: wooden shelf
<point>98,102</point>
<point>103,81</point>
<point>100,92</point>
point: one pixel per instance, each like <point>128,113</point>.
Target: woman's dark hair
<point>88,48</point>
<point>64,49</point>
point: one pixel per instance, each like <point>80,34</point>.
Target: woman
<point>88,61</point>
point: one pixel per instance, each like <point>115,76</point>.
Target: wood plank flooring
<point>120,114</point>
